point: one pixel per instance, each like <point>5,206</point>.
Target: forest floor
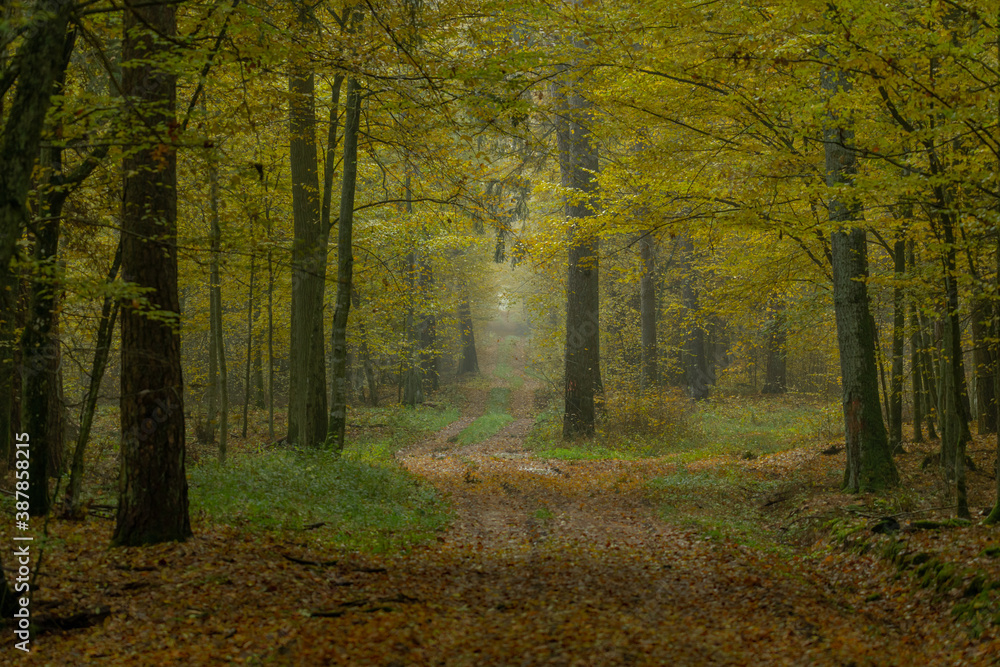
<point>545,561</point>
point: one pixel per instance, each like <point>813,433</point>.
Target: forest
<point>571,332</point>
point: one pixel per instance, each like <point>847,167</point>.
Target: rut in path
<point>567,564</point>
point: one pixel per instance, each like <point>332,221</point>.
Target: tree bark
<point>869,460</point>
<point>578,166</point>
<point>307,415</point>
<point>469,363</point>
<point>217,335</point>
<point>898,344</point>
<point>983,332</point>
<point>40,60</point>
<point>650,377</point>
<point>345,267</point>
<point>152,498</point>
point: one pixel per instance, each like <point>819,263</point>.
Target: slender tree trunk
<point>102,349</point>
<point>869,460</point>
<point>776,363</point>
<point>270,336</point>
<point>916,374</point>
<point>427,328</point>
<point>152,498</point>
<point>994,516</point>
<point>578,166</point>
<point>898,343</point>
<point>364,351</point>
<point>928,364</point>
<point>958,437</point>
<point>985,363</point>
<point>250,309</point>
<point>469,363</point>
<point>215,312</point>
<point>648,312</point>
<point>345,267</point>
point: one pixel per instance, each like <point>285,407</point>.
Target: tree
<point>152,497</point>
<point>578,166</point>
<point>869,462</point>
<point>307,413</point>
<point>345,267</point>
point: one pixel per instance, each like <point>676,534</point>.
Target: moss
<point>975,586</point>
<point>945,577</point>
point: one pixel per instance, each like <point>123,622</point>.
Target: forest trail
<point>566,563</point>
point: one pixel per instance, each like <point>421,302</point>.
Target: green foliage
<point>365,506</point>
<point>366,499</point>
<point>490,423</point>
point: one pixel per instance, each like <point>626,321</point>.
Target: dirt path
<point>562,564</point>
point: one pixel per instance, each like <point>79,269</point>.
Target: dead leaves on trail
<point>547,562</point>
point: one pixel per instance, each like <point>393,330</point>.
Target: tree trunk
<point>428,329</point>
<point>102,349</point>
<point>217,334</point>
<point>776,364</point>
<point>898,343</point>
<point>8,342</point>
<point>916,375</point>
<point>249,363</point>
<point>345,267</point>
<point>307,415</point>
<point>578,166</point>
<point>152,498</point>
<point>928,363</point>
<point>40,60</point>
<point>469,363</point>
<point>985,364</point>
<point>869,460</point>
<point>648,311</point>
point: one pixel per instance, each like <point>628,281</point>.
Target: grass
<point>721,503</point>
<point>367,501</point>
<point>490,422</point>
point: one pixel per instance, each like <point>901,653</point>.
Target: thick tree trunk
<point>40,61</point>
<point>869,460</point>
<point>898,344</point>
<point>648,311</point>
<point>307,415</point>
<point>152,498</point>
<point>345,268</point>
<point>102,349</point>
<point>39,349</point>
<point>578,166</point>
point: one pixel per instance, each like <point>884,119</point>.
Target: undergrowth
<point>491,421</point>
<point>362,500</point>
